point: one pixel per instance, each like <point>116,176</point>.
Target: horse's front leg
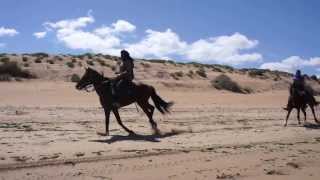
<point>107,118</point>
<point>107,115</point>
<point>298,115</point>
<point>116,114</point>
<point>288,114</point>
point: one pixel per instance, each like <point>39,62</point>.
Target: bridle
<point>90,88</point>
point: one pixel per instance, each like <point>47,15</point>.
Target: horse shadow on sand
<point>311,125</point>
<point>138,137</point>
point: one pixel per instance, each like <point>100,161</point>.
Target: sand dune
<point>49,131</point>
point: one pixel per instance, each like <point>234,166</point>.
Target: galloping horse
<point>300,102</point>
<point>140,94</point>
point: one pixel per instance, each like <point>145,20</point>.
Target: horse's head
<point>90,77</point>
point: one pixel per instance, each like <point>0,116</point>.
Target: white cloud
<point>70,24</point>
<point>292,63</point>
<point>155,44</point>
<point>105,39</point>
<point>40,35</point>
<point>223,49</point>
<point>8,32</point>
<point>123,26</point>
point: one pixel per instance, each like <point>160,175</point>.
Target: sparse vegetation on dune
<point>90,63</point>
<point>224,82</point>
<point>11,69</point>
<point>70,64</point>
<point>4,59</point>
<point>40,63</point>
<point>202,72</point>
<point>177,75</point>
<point>38,60</point>
<point>75,78</point>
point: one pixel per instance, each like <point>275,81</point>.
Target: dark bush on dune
<point>314,77</point>
<point>70,64</point>
<point>201,72</point>
<point>224,82</point>
<point>257,73</point>
<point>90,63</point>
<point>177,75</point>
<point>24,59</point>
<point>4,59</point>
<point>12,69</point>
<point>75,78</point>
<point>40,54</point>
<point>38,60</point>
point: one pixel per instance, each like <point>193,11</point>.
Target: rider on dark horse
<point>122,84</point>
<point>298,88</point>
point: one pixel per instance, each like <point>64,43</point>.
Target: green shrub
<point>38,60</point>
<point>50,61</point>
<point>40,55</point>
<point>4,60</point>
<point>256,72</point>
<point>90,63</point>
<point>224,82</point>
<point>190,74</point>
<point>216,69</point>
<point>75,78</point>
<point>201,72</point>
<point>73,60</point>
<point>12,69</point>
<point>177,75</point>
<point>24,59</point>
<point>58,58</point>
<point>101,62</point>
<point>70,64</point>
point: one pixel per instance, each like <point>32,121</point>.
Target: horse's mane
<point>99,74</point>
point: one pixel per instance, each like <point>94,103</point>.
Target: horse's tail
<point>161,105</point>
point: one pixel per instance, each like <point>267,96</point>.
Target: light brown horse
<point>141,94</point>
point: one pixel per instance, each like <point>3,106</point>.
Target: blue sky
<point>245,33</point>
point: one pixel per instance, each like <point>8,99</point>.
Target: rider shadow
<point>311,126</point>
<point>137,137</point>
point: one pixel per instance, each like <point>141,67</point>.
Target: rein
<point>90,88</point>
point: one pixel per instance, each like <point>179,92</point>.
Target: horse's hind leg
<point>314,115</point>
<point>116,114</point>
<point>298,115</point>
<point>148,109</point>
<point>304,113</point>
<point>288,114</point>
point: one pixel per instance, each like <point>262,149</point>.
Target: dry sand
<point>48,131</point>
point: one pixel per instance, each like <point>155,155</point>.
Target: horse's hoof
<point>102,134</point>
<point>131,133</point>
<point>156,131</point>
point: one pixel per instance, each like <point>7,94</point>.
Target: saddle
<point>122,88</point>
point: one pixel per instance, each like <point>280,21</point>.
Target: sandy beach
<point>49,131</point>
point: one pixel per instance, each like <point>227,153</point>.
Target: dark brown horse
<point>141,94</point>
<point>300,101</point>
